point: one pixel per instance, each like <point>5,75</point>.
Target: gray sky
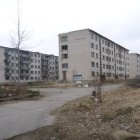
<point>118,20</point>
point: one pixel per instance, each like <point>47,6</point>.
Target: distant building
<point>87,55</point>
<point>33,66</point>
<point>50,67</point>
<point>134,59</point>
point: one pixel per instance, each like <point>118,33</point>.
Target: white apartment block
<point>31,66</point>
<point>134,60</point>
<point>87,55</point>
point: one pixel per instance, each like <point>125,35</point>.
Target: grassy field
<point>116,118</point>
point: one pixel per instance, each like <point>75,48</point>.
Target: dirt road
<point>21,117</point>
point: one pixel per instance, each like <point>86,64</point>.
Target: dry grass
<point>13,93</point>
<point>117,118</point>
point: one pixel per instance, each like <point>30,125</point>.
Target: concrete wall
<point>134,59</point>
<point>2,65</point>
<point>78,55</point>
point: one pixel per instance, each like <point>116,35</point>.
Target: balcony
<point>25,74</point>
<point>25,61</point>
<point>24,56</point>
<point>7,54</point>
<point>8,74</point>
<point>25,67</point>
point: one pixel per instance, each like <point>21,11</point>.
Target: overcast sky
<point>118,20</point>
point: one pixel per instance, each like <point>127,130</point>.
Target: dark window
<point>92,54</point>
<point>103,50</point>
<point>64,47</point>
<point>7,78</point>
<point>96,38</point>
<point>27,78</point>
<point>64,39</point>
<point>92,45</point>
<point>65,65</point>
<point>96,65</point>
<point>102,41</point>
<point>92,36</point>
<point>93,73</point>
<point>96,55</point>
<point>64,56</point>
<point>31,72</point>
<point>92,64</point>
<point>32,78</point>
<point>96,47</point>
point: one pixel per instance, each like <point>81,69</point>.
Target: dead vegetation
<point>116,118</point>
<point>12,93</point>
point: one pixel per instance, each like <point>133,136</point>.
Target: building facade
<point>49,67</point>
<point>134,65</point>
<point>32,66</point>
<point>87,55</point>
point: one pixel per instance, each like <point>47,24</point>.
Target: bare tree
<point>19,36</point>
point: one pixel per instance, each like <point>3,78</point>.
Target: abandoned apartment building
<point>34,66</point>
<point>134,60</point>
<point>86,55</point>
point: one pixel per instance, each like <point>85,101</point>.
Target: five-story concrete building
<point>28,67</point>
<point>87,55</point>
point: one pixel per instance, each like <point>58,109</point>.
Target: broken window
<point>64,47</point>
<point>64,56</point>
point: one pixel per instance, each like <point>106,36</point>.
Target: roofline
<point>49,54</point>
<point>16,48</point>
<point>108,39</point>
<point>134,53</point>
<point>28,51</point>
<point>74,31</point>
<point>97,34</point>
